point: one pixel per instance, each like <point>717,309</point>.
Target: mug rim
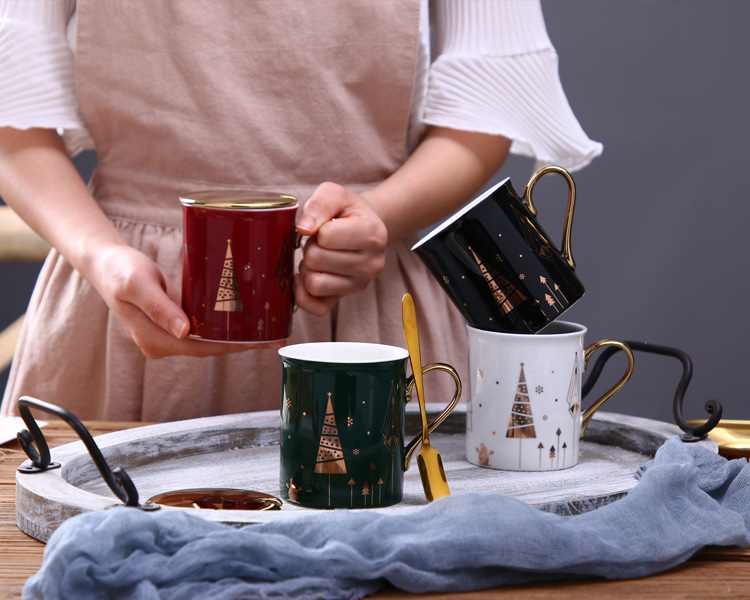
<point>350,353</point>
<point>238,199</point>
<point>460,213</point>
<point>554,329</point>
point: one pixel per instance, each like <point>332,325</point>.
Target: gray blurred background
<point>659,233</point>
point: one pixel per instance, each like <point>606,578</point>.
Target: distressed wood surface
<point>717,573</point>
<point>21,555</point>
<point>241,451</point>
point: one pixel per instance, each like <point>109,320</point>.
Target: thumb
<point>178,322</point>
<point>327,202</point>
<point>155,298</point>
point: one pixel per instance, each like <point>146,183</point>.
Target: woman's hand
<point>42,185</point>
<point>345,249</point>
<point>349,232</point>
<point>145,302</point>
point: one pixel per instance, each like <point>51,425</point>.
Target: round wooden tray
<point>241,451</point>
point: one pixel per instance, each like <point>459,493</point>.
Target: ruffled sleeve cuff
<point>497,73</point>
<point>38,87</point>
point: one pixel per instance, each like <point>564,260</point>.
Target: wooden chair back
<point>18,244</point>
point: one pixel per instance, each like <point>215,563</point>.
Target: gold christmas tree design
<point>552,298</point>
<point>284,267</point>
<point>330,455</point>
<point>574,405</point>
<point>390,429</point>
<point>228,298</point>
<point>521,423</point>
<point>380,490</point>
<point>505,293</point>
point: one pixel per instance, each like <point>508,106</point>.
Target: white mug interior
<point>468,207</point>
<point>343,352</point>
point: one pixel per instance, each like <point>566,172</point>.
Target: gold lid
<point>239,199</point>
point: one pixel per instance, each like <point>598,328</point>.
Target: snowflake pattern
<point>539,389</point>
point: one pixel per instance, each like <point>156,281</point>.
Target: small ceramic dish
<point>732,437</point>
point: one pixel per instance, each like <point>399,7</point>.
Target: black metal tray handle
<point>712,407</point>
<point>117,479</point>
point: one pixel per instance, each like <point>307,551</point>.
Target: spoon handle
<point>411,330</point>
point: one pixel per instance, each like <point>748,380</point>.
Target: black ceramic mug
<point>499,266</point>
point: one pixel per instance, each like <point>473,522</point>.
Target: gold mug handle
<point>412,446</point>
<point>589,352</point>
<point>567,251</point>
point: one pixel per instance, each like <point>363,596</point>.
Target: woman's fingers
<point>345,249</point>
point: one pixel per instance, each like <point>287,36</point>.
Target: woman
<point>335,101</point>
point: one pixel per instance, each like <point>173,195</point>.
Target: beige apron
<point>188,95</point>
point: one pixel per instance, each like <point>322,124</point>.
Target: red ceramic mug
<point>238,264</point>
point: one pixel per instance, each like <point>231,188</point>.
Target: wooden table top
<point>715,573</point>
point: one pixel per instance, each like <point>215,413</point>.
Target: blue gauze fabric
<point>687,497</point>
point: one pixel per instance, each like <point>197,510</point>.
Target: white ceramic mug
<point>524,409</point>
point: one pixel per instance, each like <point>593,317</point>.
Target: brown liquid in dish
<point>218,499</point>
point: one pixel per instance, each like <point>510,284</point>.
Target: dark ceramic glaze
<point>342,434</point>
<point>499,266</point>
<point>342,423</point>
<point>237,272</point>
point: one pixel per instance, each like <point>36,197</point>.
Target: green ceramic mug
<point>342,423</point>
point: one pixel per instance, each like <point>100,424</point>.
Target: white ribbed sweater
<point>489,66</point>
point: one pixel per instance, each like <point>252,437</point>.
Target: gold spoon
<point>429,460</point>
